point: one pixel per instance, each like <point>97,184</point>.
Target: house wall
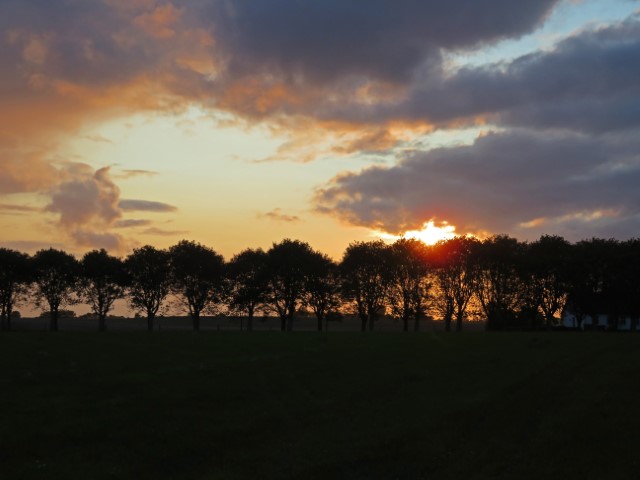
<point>569,320</point>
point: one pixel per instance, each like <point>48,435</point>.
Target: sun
<point>430,233</point>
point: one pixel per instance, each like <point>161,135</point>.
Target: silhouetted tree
<point>322,286</point>
<point>545,275</point>
<point>409,283</point>
<point>246,283</point>
<point>456,277</point>
<point>591,268</point>
<point>499,287</point>
<point>15,277</point>
<point>287,266</point>
<point>148,281</point>
<point>629,287</point>
<point>196,274</point>
<point>365,270</point>
<point>56,280</point>
<point>102,283</point>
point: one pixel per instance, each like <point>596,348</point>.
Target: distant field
<point>227,324</point>
<point>310,406</point>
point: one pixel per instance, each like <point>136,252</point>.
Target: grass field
<point>307,406</point>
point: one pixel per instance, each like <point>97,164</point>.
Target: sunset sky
<point>240,123</point>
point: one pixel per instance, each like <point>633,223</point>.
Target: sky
<point>239,123</point>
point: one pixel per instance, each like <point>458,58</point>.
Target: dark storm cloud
<point>588,82</point>
<point>256,59</point>
<point>510,182</point>
<point>379,39</point>
<point>65,39</point>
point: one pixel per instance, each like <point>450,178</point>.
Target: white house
<point>569,320</point>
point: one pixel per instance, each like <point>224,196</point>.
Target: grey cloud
<point>85,199</point>
<point>131,223</point>
<point>588,82</point>
<point>512,182</point>
<point>89,207</point>
<point>320,42</point>
<point>78,40</point>
<point>130,205</point>
<point>163,232</point>
<point>91,239</point>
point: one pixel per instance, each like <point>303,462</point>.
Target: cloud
<point>106,240</point>
<point>89,207</point>
<point>88,198</point>
<point>277,216</point>
<point>379,75</point>
<point>127,173</point>
<point>23,172</point>
<point>160,22</point>
<point>97,60</point>
<point>7,208</point>
<point>547,89</point>
<point>514,182</point>
<point>163,232</point>
<point>384,41</point>
<point>130,205</point>
<point>261,62</point>
<point>564,161</point>
<point>98,139</point>
<point>131,223</point>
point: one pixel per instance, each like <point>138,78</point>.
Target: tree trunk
<point>53,321</point>
<point>447,323</point>
<point>3,315</point>
<point>405,321</point>
<point>102,322</point>
<point>150,321</point>
<point>459,317</point>
<point>9,314</point>
<point>416,323</point>
<point>371,323</point>
<point>283,323</point>
<point>319,323</point>
<point>290,322</point>
<point>250,322</point>
<point>196,321</point>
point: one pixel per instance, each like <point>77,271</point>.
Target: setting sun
<point>430,233</point>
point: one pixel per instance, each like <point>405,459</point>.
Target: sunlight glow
<point>430,233</point>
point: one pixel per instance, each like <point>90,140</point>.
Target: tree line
<point>507,283</point>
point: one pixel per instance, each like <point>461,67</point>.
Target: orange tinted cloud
<point>160,22</point>
<point>279,216</point>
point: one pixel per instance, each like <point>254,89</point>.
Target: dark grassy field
<point>353,406</point>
